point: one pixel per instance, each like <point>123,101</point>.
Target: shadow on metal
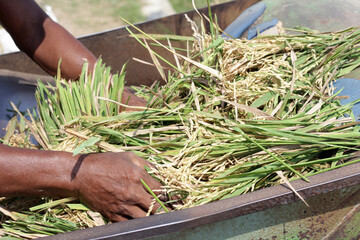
<point>18,88</point>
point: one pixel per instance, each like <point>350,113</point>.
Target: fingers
<point>148,203</point>
<point>134,211</point>
<point>118,202</point>
<point>133,158</point>
<point>157,188</point>
<point>130,99</point>
<point>152,183</point>
<point>115,217</point>
<point>140,162</point>
<point>131,212</point>
<point>142,197</point>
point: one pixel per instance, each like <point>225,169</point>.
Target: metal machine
<point>272,213</point>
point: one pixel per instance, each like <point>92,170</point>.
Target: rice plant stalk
<point>231,116</point>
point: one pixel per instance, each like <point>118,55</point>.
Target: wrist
<point>26,172</point>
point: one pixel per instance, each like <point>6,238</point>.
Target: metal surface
<point>322,220</point>
<point>322,15</point>
<point>272,213</point>
<point>18,88</point>
<point>116,47</point>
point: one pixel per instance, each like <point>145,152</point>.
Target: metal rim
<point>222,210</point>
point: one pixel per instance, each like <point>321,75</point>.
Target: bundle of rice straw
<point>235,116</point>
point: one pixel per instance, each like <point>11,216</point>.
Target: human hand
<point>130,99</point>
<point>110,184</point>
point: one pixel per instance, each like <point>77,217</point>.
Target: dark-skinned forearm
<point>45,41</point>
<point>26,172</point>
<point>71,52</point>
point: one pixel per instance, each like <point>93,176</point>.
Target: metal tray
<point>272,213</point>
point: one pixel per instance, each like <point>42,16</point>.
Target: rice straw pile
<point>234,116</point>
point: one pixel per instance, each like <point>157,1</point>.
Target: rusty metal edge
<point>183,220</point>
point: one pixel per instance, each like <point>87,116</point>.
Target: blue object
<point>244,21</point>
<point>349,87</point>
<point>253,32</point>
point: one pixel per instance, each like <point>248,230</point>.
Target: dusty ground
<point>83,17</point>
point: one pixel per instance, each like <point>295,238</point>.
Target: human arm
<point>43,40</point>
<point>46,42</point>
<point>107,182</point>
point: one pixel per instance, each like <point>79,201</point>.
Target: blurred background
<point>84,17</point>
